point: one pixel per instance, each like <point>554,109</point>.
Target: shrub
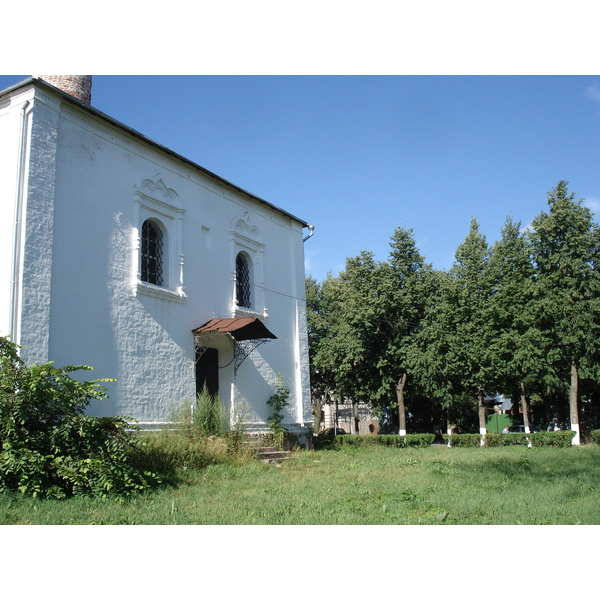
<point>595,436</point>
<point>493,440</point>
<point>463,440</point>
<point>420,440</point>
<point>278,401</point>
<point>516,439</point>
<point>559,439</point>
<point>49,448</point>
<point>366,440</point>
<point>413,440</point>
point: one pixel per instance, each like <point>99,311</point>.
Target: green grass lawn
<point>357,486</point>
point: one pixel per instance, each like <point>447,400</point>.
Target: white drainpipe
<point>311,232</point>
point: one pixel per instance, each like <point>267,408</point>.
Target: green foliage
<point>513,439</point>
<point>463,440</point>
<point>49,448</point>
<point>595,436</point>
<point>278,401</point>
<point>520,318</point>
<point>202,429</point>
<point>566,253</point>
<point>361,325</point>
<point>206,416</point>
<point>419,440</point>
<point>411,440</point>
<point>493,440</point>
<point>557,439</point>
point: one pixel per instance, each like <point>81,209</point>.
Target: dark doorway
<point>207,371</point>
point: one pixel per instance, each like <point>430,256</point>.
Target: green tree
<point>517,344</point>
<point>566,252</point>
<point>363,324</point>
<point>318,326</point>
<point>428,352</point>
<point>330,341</point>
<point>356,331</point>
<point>404,289</point>
<point>471,348</point>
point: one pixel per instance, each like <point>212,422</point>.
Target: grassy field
<point>362,486</point>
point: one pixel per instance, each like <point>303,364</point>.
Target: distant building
<point>118,253</point>
<point>346,419</point>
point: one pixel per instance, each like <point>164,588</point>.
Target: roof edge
<point>133,132</point>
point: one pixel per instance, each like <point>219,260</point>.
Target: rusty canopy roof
<point>240,329</point>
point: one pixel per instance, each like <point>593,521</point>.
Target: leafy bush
<point>48,447</point>
<point>493,440</point>
<point>419,440</point>
<point>559,439</point>
<point>595,436</point>
<point>278,401</point>
<point>413,440</point>
<point>366,440</point>
<point>515,439</point>
<point>463,440</point>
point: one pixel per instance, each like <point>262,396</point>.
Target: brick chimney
<point>79,86</point>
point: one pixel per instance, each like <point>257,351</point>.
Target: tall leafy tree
<point>357,326</point>
<point>402,297</point>
<point>516,344</point>
<point>346,353</point>
<point>328,331</point>
<point>318,326</point>
<point>566,251</point>
<point>432,352</point>
<point>472,294</point>
<point>374,310</point>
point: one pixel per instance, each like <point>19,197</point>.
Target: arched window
<point>242,276</point>
<point>152,253</point>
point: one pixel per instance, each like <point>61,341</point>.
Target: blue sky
<point>359,155</point>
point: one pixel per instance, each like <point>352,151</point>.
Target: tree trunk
<point>355,416</point>
<point>525,411</point>
<point>524,407</point>
<point>401,410</point>
<point>318,405</point>
<point>574,413</point>
<point>335,416</point>
<point>482,424</point>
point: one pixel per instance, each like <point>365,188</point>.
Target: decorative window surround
<point>245,237</point>
<point>154,200</point>
<point>155,291</point>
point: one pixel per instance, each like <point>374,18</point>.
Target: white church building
<point>118,253</point>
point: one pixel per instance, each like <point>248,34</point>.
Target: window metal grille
<point>152,253</point>
<point>243,281</point>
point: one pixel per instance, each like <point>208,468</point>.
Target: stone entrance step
<point>270,454</point>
